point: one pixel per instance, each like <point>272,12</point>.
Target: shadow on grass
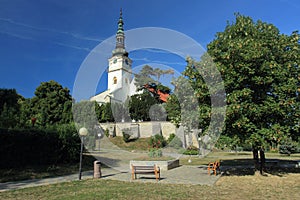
<point>44,171</point>
<point>244,167</point>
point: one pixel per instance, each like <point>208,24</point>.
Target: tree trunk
<point>255,157</point>
<point>262,160</point>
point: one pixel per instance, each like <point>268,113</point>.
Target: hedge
<point>19,148</point>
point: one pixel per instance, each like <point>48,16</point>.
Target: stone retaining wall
<point>163,165</point>
<point>141,129</point>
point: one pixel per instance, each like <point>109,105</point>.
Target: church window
<point>126,80</point>
<point>115,80</point>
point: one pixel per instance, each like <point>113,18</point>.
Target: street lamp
<point>82,133</point>
<point>99,137</point>
<point>199,143</point>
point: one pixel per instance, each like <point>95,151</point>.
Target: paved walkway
<point>193,175</point>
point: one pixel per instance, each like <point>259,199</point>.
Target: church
<point>120,82</point>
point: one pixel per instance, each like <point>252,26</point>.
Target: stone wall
<point>148,129</point>
<point>141,129</point>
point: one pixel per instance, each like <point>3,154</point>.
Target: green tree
<point>140,104</point>
<point>144,77</point>
<point>85,114</point>
<point>25,113</point>
<point>150,75</point>
<point>52,104</point>
<point>107,114</point>
<point>9,107</point>
<point>260,69</point>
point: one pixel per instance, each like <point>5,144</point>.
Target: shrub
<point>126,137</point>
<point>153,152</point>
<point>288,149</point>
<point>247,147</point>
<point>224,142</point>
<point>21,147</point>
<point>106,132</point>
<point>239,149</point>
<point>69,142</point>
<point>157,141</point>
<point>171,137</point>
<point>191,150</point>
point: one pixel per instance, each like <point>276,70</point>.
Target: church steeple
<point>120,38</point>
<point>120,24</point>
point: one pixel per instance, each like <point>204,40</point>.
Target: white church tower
<point>119,70</point>
<point>119,83</point>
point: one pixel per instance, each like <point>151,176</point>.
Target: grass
<point>235,184</point>
<point>141,144</point>
<point>227,158</point>
<point>228,187</point>
<point>234,159</point>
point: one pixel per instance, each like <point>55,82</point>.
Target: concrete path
<point>192,175</point>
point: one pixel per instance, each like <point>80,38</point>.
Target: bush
<point>126,137</point>
<point>106,132</point>
<point>224,142</point>
<point>239,149</point>
<point>174,141</point>
<point>157,141</point>
<point>288,149</point>
<point>155,153</point>
<point>21,147</point>
<point>247,147</point>
<point>191,150</point>
<point>69,142</point>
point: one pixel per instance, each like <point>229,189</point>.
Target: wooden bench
<point>214,166</point>
<point>145,170</point>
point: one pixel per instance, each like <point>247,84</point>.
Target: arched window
<point>115,80</point>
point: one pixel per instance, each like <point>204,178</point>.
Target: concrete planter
<point>163,165</point>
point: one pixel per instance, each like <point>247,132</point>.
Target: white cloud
<point>16,35</point>
<point>159,61</point>
<point>74,35</point>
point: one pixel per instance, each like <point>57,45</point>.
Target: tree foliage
<point>9,107</point>
<point>51,104</point>
<point>150,75</point>
<point>260,69</point>
<point>140,104</point>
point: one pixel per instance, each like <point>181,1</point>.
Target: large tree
<point>260,70</point>
<point>52,104</point>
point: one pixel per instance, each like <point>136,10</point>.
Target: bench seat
<point>145,170</point>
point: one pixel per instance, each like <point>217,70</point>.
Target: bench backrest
<point>145,167</point>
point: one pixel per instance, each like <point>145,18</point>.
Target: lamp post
<point>199,143</point>
<point>99,137</point>
<point>82,132</point>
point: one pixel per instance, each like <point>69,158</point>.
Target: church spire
<point>120,37</point>
<point>120,23</point>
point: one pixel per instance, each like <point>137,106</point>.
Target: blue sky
<point>42,40</point>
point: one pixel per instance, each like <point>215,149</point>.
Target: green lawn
<point>255,186</point>
<point>227,158</point>
<point>278,184</point>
